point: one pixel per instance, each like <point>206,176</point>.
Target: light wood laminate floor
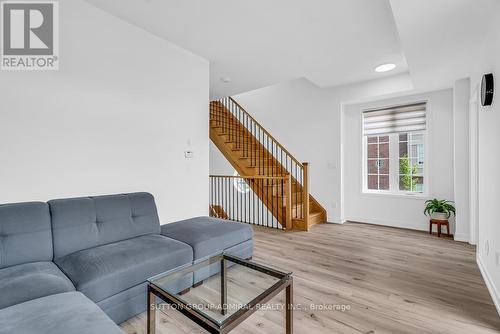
<point>391,281</point>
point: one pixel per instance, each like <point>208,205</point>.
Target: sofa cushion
<point>81,223</point>
<point>25,233</point>
<point>103,271</point>
<point>31,280</point>
<point>64,313</point>
<point>208,236</point>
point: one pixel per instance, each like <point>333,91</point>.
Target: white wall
<point>116,118</point>
<point>323,127</point>
<point>399,211</point>
<point>312,131</point>
<point>305,133</point>
<point>488,61</point>
<point>250,208</point>
<point>218,162</point>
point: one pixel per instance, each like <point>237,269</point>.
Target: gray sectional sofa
<point>84,261</point>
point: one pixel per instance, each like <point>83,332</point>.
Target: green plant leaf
<point>435,205</point>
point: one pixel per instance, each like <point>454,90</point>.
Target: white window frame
<point>394,164</point>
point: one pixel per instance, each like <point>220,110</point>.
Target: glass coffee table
<point>234,291</point>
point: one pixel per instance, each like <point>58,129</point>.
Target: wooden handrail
<point>267,133</point>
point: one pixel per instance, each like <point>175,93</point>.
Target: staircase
<point>275,177</point>
<point>218,211</point>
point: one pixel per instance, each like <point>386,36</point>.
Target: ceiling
<point>259,43</point>
<point>442,39</point>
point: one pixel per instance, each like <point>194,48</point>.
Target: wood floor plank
<point>391,280</point>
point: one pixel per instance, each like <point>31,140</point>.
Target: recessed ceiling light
<point>385,67</point>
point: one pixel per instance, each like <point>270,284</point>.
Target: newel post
<point>288,194</point>
<point>305,196</point>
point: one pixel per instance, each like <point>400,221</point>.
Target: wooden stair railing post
<point>288,192</point>
<point>305,190</point>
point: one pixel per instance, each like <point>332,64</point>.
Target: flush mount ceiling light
<point>385,67</point>
<point>225,79</point>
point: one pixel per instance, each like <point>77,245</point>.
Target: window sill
<point>417,196</point>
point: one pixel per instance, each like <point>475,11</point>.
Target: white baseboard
<point>331,221</point>
<point>399,224</point>
<point>335,220</point>
<point>489,283</point>
<point>462,237</point>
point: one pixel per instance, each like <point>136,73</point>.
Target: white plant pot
<point>439,216</point>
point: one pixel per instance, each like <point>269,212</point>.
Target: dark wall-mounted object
<point>487,87</point>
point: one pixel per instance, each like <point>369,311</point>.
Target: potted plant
<point>439,209</point>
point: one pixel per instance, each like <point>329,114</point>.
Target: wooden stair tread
<point>237,148</point>
<point>257,158</point>
<point>296,195</point>
<point>316,218</point>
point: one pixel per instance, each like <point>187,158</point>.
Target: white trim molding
<point>474,166</point>
<point>489,283</point>
<point>397,224</point>
<point>464,237</point>
<point>335,220</point>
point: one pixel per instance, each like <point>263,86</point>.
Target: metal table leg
<point>151,311</point>
<point>289,307</point>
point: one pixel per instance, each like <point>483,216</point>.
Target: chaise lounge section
<point>63,313</point>
<point>26,268</point>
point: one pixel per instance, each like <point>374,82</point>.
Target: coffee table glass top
<point>247,284</point>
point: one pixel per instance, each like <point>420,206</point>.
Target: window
<point>411,162</point>
<point>394,149</point>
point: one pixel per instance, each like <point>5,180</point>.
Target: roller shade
<point>406,118</point>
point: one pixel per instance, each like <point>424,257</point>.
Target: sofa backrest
<point>25,233</point>
<point>86,222</point>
